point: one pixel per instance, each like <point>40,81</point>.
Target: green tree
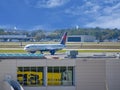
<point>39,34</point>
<point>2,31</point>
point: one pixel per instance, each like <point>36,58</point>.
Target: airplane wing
<point>51,48</point>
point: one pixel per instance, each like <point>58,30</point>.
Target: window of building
<point>35,76</point>
<point>60,76</point>
<point>30,76</point>
<point>74,39</point>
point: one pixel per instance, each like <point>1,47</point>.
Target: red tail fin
<point>63,40</point>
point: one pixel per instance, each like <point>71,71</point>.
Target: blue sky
<point>59,14</point>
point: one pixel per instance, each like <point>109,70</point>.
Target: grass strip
<point>60,51</point>
<point>12,51</point>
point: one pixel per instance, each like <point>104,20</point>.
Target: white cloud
<point>107,16</point>
<point>106,22</point>
<point>115,9</point>
<point>38,27</point>
<point>46,3</point>
<point>7,26</point>
<point>42,27</point>
<point>109,19</point>
<point>54,3</point>
<point>73,10</point>
<point>111,1</point>
<point>87,8</point>
<point>92,8</point>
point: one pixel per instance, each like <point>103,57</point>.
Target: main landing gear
<point>52,52</point>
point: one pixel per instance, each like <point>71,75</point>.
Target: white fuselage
<point>43,47</point>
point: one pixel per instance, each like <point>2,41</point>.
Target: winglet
<point>64,37</point>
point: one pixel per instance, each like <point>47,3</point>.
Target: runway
<point>84,55</point>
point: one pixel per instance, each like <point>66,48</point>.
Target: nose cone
<point>24,48</point>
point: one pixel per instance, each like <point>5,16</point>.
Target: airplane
<point>52,48</point>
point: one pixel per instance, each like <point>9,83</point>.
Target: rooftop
<point>57,56</point>
<point>21,56</point>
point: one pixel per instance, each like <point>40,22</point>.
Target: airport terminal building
<point>81,38</point>
<point>38,72</point>
<point>15,38</point>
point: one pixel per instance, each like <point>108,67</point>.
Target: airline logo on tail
<point>63,41</point>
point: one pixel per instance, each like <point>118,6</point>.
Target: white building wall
<point>7,69</point>
<point>46,62</point>
<point>6,86</point>
<point>30,62</point>
<point>113,74</point>
<point>64,62</point>
<point>51,88</point>
<point>87,38</point>
<point>90,74</point>
<point>35,88</point>
<point>84,38</point>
